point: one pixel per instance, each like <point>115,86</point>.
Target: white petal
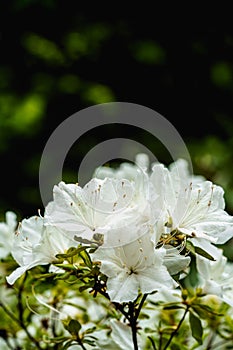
<point>123,288</point>
<point>154,278</point>
<point>11,220</point>
<point>111,265</point>
<point>16,274</point>
<point>121,334</point>
<point>28,236</point>
<point>19,271</point>
<point>225,235</point>
<point>175,262</point>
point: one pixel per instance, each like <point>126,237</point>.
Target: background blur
<point>57,59</point>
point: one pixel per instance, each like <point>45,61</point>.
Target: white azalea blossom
<point>88,210</point>
<point>97,208</point>
<point>7,231</point>
<point>36,244</point>
<point>216,277</point>
<point>195,209</point>
<point>126,170</point>
<point>133,267</point>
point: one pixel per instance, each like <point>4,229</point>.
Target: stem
<point>82,346</point>
<point>121,309</point>
<point>134,314</point>
<point>118,306</point>
<point>133,324</point>
<point>174,333</point>
<point>160,340</point>
<point>140,306</point>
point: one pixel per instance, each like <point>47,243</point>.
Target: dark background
<point>57,58</point>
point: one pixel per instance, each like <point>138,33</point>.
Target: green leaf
<point>62,276</point>
<point>89,342</point>
<point>204,311</point>
<point>58,340</point>
<point>173,307</point>
<point>91,330</point>
<point>70,253</point>
<point>67,345</point>
<point>198,250</point>
<point>86,258</point>
<point>66,267</point>
<point>87,286</point>
<point>45,275</point>
<point>152,342</point>
<point>203,253</point>
<point>196,327</point>
<point>74,327</point>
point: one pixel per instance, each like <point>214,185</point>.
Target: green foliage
<point>196,327</point>
<point>149,52</point>
<point>221,74</point>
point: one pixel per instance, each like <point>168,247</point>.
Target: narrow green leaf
<point>70,253</point>
<point>205,310</point>
<point>196,327</point>
<point>89,342</point>
<point>67,345</point>
<point>62,276</point>
<point>203,253</point>
<point>86,258</point>
<point>87,285</point>
<point>45,275</point>
<point>66,267</point>
<point>152,343</point>
<point>58,340</point>
<point>173,307</point>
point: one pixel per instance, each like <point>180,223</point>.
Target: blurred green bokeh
<point>61,59</point>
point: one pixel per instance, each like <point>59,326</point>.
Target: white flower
<point>7,231</point>
<point>97,208</point>
<point>194,208</point>
<point>216,277</point>
<point>126,170</point>
<point>85,211</point>
<point>133,267</point>
<point>35,244</point>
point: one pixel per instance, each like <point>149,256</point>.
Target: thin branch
<point>133,324</point>
<point>81,344</point>
<point>160,340</point>
<point>174,333</point>
<point>137,312</point>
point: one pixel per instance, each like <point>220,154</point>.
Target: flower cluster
<point>137,229</point>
